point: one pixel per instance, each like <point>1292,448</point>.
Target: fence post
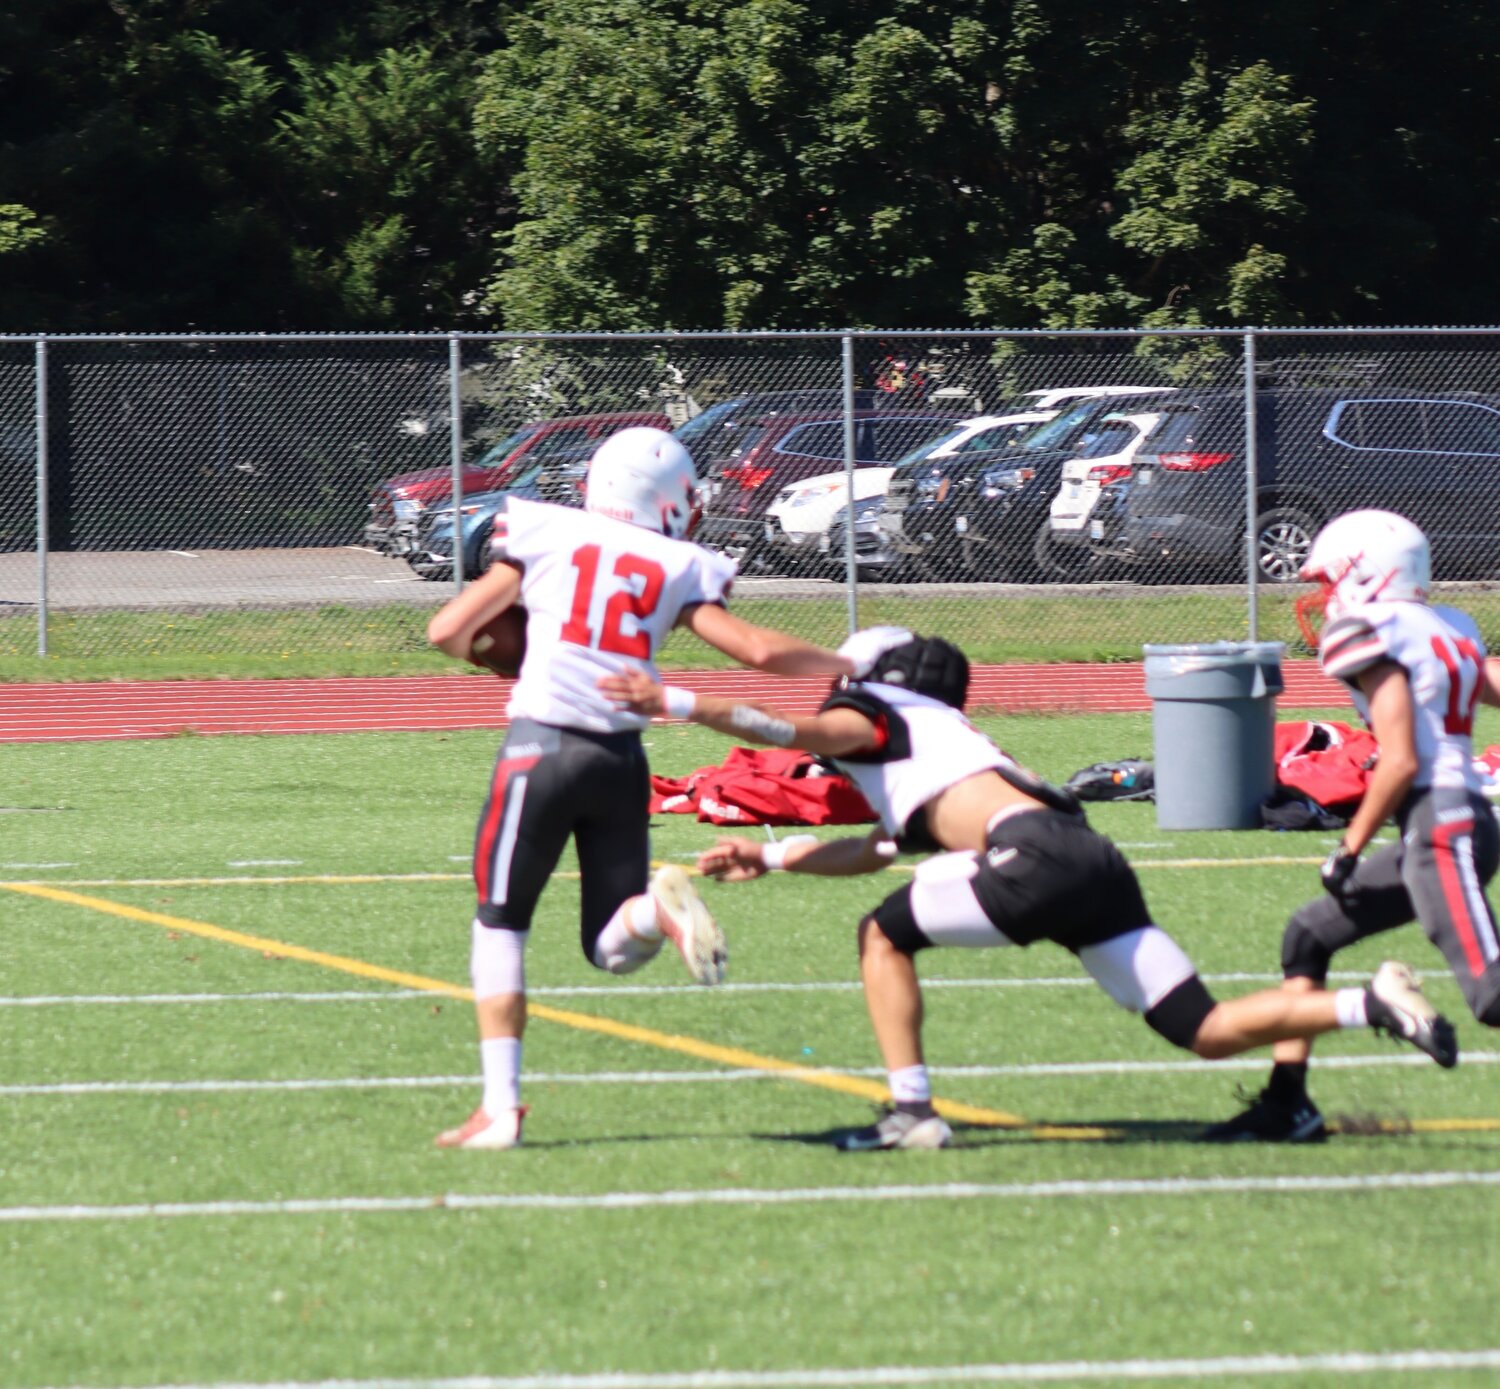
<point>456,456</point>
<point>851,579</point>
<point>1252,472</point>
<point>41,497</point>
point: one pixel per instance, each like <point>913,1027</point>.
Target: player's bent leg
<point>630,938</point>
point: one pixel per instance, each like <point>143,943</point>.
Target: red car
<point>398,503</point>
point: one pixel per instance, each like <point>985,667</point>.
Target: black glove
<point>1337,869</point>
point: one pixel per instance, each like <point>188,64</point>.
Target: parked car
<point>431,552</point>
<point>980,513</point>
<point>714,436</point>
<point>399,502</point>
<point>1094,482</point>
<point>807,513</point>
<point>1433,457</point>
<point>783,449</point>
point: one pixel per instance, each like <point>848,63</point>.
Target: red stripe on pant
<point>1453,890</point>
<point>484,848</point>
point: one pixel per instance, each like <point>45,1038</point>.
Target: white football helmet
<point>644,476</point>
<point>1363,557</point>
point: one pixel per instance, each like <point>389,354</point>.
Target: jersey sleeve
<point>521,532</point>
<point>709,578</point>
<point>1351,645</point>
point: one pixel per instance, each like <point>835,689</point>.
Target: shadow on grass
<point>1110,1132</point>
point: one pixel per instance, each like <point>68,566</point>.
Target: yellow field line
<point>586,1022</point>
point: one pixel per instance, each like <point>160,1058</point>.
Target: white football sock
<point>630,938</point>
<point>1350,1006</point>
<point>500,1058</point>
<point>910,1085</point>
<point>497,960</point>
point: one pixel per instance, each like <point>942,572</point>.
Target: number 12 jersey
<point>601,596</point>
<point>1442,653</point>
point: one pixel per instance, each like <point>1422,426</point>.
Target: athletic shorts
<point>550,783</point>
<point>1045,875</point>
<point>1435,873</point>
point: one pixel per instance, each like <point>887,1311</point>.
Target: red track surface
<point>91,712</point>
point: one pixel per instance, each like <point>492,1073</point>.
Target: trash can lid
<point>1207,655</point>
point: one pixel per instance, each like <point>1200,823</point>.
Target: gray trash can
<point>1213,717</point>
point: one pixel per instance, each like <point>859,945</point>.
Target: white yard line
<point>1268,861</point>
<point>1356,1362</point>
<point>601,991</point>
<point>770,1196</point>
<point>710,1077</point>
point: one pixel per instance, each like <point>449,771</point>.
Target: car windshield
<point>997,436</point>
<point>506,446</point>
<point>705,420</point>
<point>1057,433</point>
<point>929,445</point>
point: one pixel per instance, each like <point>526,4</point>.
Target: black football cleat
<point>1271,1120</point>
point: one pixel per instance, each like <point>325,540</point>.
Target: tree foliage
<point>556,164</point>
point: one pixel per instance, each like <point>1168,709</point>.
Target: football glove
<point>1337,869</point>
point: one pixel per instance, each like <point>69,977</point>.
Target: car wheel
<point>1062,563</point>
<point>1283,537</point>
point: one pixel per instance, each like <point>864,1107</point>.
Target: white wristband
<point>773,855</point>
<point>678,703</point>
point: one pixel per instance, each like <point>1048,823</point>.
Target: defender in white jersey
<point>1014,861</point>
<point>1415,673</point>
<point>602,588</point>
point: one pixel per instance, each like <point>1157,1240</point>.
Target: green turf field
<point>216,1163</point>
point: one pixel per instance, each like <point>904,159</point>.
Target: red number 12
<point>1463,666</point>
<point>626,601</point>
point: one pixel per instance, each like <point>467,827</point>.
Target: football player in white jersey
<point>1014,861</point>
<point>602,588</point>
<point>1415,672</point>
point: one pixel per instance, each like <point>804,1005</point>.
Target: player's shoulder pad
<point>893,741</point>
<point>1352,644</point>
<point>1463,625</point>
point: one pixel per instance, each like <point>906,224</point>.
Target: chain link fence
<point>1034,496</point>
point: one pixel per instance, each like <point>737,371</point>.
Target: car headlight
<point>998,480</point>
<point>407,508</point>
<point>869,508</point>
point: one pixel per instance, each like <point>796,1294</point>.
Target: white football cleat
<point>480,1131</point>
<point>689,925</point>
<point>1396,1005</point>
<point>898,1129</point>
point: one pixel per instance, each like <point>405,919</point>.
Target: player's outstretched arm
<point>836,733</point>
<point>761,648</point>
<point>740,860</point>
<point>453,625</point>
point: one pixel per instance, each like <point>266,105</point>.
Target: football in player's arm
<point>1415,672</point>
<point>601,588</point>
<point>1011,861</point>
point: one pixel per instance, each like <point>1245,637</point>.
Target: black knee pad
<point>1181,1013</point>
<point>1303,954</point>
